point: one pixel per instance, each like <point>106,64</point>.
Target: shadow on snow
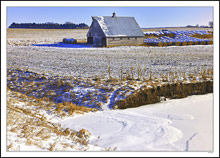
<point>65,45</point>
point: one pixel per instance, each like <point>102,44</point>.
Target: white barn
<point>114,31</point>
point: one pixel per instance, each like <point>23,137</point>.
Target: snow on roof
<point>119,26</point>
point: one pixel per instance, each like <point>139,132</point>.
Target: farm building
<point>114,31</point>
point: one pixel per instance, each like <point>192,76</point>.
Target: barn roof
<point>119,26</point>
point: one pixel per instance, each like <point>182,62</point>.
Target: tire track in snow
<point>187,142</point>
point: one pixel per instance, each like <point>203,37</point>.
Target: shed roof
<point>119,26</point>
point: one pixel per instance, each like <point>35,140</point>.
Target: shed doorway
<point>103,41</point>
<point>90,40</point>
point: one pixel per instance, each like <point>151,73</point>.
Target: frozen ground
<point>89,62</point>
<point>173,125</point>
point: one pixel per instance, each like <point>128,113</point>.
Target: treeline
<point>202,26</point>
<point>49,25</point>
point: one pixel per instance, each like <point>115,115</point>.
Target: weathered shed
<point>114,30</point>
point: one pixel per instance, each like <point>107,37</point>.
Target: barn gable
<point>95,29</point>
<point>95,34</point>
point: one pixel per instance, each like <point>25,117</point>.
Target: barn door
<point>90,40</point>
<point>103,41</point>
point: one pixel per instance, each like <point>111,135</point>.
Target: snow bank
<point>174,125</point>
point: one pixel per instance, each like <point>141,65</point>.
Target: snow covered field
<point>90,62</point>
<point>24,37</point>
<point>173,125</point>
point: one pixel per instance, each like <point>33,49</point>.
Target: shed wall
<point>124,41</point>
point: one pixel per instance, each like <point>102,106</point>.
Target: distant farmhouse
<point>114,31</point>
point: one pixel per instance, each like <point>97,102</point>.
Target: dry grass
<point>147,95</point>
<point>107,85</point>
<point>34,129</point>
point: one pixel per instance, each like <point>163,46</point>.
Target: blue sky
<point>145,16</point>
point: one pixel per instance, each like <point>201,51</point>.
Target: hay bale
<point>196,42</point>
<point>184,43</point>
<point>210,42</point>
<point>164,44</point>
<point>169,43</point>
<point>177,43</point>
<point>160,44</point>
<point>69,40</point>
<point>190,43</point>
<point>203,42</point>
